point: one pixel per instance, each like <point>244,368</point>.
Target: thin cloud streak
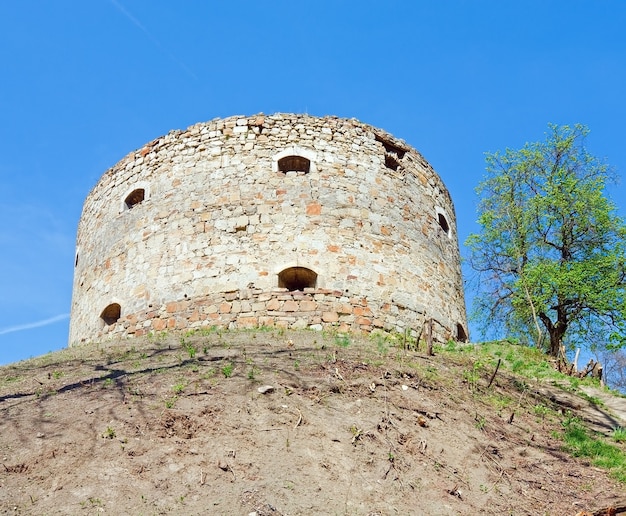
<point>37,324</point>
<point>155,41</point>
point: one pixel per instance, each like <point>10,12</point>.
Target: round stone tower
<point>285,220</point>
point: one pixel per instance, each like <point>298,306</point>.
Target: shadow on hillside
<point>119,366</point>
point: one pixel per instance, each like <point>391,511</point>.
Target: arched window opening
<point>135,197</point>
<point>297,278</point>
<point>443,222</point>
<point>461,336</point>
<point>294,164</point>
<point>111,314</point>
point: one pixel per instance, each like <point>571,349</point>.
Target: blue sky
<point>83,83</point>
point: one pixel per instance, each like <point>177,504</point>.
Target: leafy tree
<point>551,252</point>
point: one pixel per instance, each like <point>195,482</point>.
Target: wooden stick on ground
<point>494,373</point>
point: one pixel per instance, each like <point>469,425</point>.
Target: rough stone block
<point>344,308</point>
<point>158,324</point>
<point>290,306</point>
<point>273,304</point>
<point>300,324</point>
<point>308,305</point>
<point>257,307</point>
<point>248,322</point>
<point>314,209</point>
<point>330,317</point>
<point>364,321</point>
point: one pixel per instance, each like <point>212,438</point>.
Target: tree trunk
<point>556,332</point>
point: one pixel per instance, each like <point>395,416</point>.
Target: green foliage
<point>579,443</point>
<point>157,337</point>
<point>179,387</point>
<point>619,435</point>
<point>188,345</point>
<point>227,370</point>
<point>551,252</point>
<point>382,341</point>
<point>109,433</point>
<point>541,410</point>
<point>95,502</point>
<point>471,376</point>
<point>525,361</point>
<point>342,340</point>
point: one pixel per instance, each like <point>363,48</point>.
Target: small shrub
<point>209,373</point>
<point>342,340</point>
<point>471,376</point>
<point>188,346</point>
<point>450,346</point>
<point>178,388</point>
<point>109,433</point>
<point>619,435</point>
<point>541,410</point>
<point>157,337</point>
<point>227,370</point>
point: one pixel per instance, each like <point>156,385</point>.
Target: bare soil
<point>154,427</point>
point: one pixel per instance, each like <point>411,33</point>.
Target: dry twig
<point>299,419</point>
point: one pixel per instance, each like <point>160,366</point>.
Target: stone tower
<point>283,220</point>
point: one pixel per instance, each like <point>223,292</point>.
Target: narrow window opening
<point>391,162</point>
<point>135,197</point>
<point>461,336</point>
<point>294,164</point>
<point>443,222</point>
<point>76,260</point>
<point>297,278</point>
<point>111,314</point>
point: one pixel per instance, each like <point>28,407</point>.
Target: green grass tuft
<point>579,443</point>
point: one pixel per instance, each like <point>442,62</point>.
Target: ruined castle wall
<point>193,230</point>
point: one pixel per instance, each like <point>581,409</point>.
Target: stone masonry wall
<point>219,217</point>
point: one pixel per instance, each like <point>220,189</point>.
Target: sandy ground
<point>275,423</point>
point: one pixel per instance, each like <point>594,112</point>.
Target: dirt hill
<point>277,423</point>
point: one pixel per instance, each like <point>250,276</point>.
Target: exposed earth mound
<point>273,422</point>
